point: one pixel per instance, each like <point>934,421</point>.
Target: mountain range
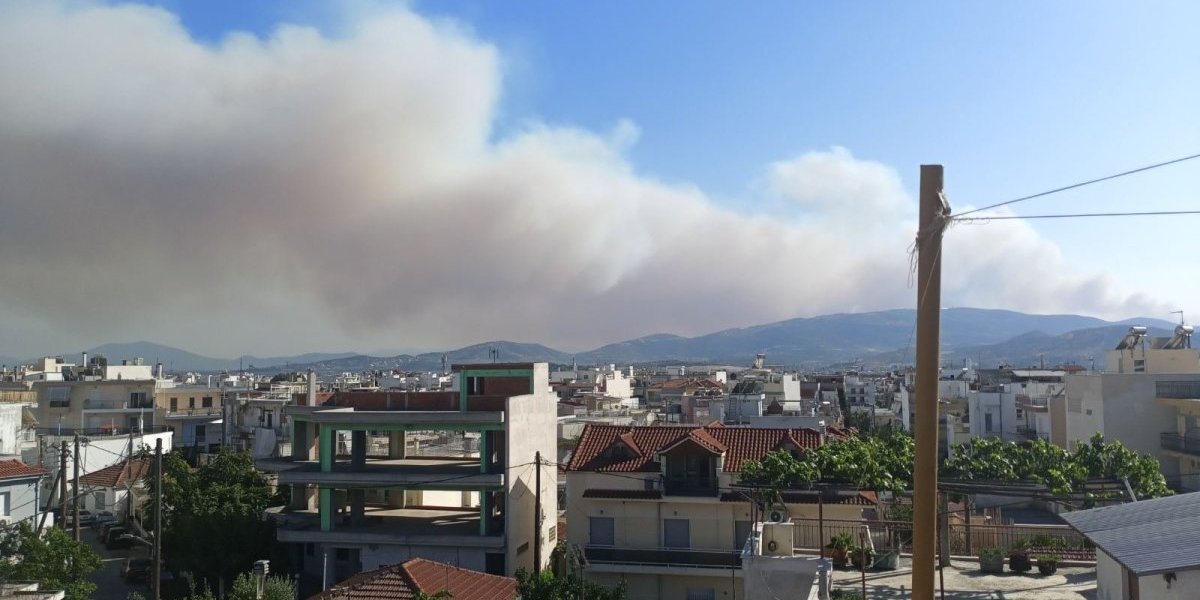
<point>881,338</point>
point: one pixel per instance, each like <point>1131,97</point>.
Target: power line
<point>1081,184</point>
<point>1159,213</point>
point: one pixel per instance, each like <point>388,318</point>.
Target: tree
<point>877,463</point>
<point>275,588</point>
<point>548,586</point>
<point>54,560</point>
<point>1063,473</point>
<point>213,526</point>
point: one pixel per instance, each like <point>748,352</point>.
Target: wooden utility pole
<point>934,212</point>
<point>75,488</point>
<point>157,519</point>
<point>537,513</point>
<point>62,485</point>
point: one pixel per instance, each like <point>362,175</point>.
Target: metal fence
<point>964,539</point>
<point>1182,390</point>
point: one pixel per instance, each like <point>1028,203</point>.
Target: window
<point>342,554</point>
<point>138,400</point>
<point>701,594</point>
<point>601,531</point>
<point>677,533</point>
<point>987,422</point>
<point>191,403</point>
<point>3,504</point>
<point>1139,365</point>
<point>98,502</point>
<point>552,535</point>
<point>207,402</point>
<point>174,404</point>
<point>648,484</point>
<point>199,433</point>
<point>60,397</point>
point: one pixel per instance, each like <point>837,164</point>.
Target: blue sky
<point>1013,98</point>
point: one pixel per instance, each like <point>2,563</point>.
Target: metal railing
<point>1181,390</point>
<point>98,431</point>
<point>1180,443</point>
<point>719,559</point>
<point>187,412</point>
<point>964,539</point>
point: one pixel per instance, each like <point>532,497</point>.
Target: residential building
<point>1149,399</point>
<point>1146,550</point>
<point>656,507</point>
<point>419,576</point>
<point>1018,406</point>
<point>19,491</point>
<point>363,496</point>
<point>193,413</point>
<point>118,488</point>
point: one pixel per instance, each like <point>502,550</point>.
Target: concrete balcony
<point>442,473</point>
<point>210,412</point>
<point>1179,443</point>
<point>401,526</point>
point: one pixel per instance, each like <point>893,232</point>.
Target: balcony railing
<point>1181,443</point>
<point>190,412</point>
<point>1180,390</point>
<point>98,431</point>
<point>717,559</point>
<point>689,488</point>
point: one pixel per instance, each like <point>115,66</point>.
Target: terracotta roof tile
<point>737,443</point>
<point>115,476</point>
<point>403,581</point>
<point>862,498</point>
<point>11,469</point>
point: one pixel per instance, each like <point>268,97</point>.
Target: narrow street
<point>109,585</point>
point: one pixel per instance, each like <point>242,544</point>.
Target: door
<point>677,533</point>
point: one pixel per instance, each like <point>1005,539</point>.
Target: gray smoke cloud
<point>305,192</point>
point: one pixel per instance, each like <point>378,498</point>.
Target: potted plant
<point>1047,564</point>
<point>888,559</point>
<point>1018,557</point>
<point>991,560</point>
<point>862,556</point>
<point>839,548</point>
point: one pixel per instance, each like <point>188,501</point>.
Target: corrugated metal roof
<point>1147,537</point>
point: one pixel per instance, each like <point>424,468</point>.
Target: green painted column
<point>483,452</point>
<point>485,509</point>
<point>327,449</point>
<point>326,507</point>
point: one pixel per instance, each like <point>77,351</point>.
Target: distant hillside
<point>881,337</point>
<point>841,337</point>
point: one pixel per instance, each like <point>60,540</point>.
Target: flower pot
<point>1047,567</point>
<point>992,563</point>
<point>839,556</point>
<point>889,560</point>
<point>1019,563</point>
<point>859,562</point>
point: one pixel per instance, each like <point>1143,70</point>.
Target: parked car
<point>103,518</point>
<point>85,518</point>
<point>136,570</point>
<point>117,538</point>
<point>103,530</point>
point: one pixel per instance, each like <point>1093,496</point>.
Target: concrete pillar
<point>303,497</point>
<point>485,512</point>
<point>357,506</point>
<point>358,448</point>
<point>396,445</point>
<point>395,498</point>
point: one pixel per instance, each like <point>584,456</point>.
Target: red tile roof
<point>737,443</point>
<point>403,581</point>
<point>115,476</point>
<point>12,469</point>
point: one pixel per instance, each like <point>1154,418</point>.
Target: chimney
<point>312,388</point>
<point>84,365</point>
<point>158,371</point>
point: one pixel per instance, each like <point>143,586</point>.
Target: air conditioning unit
<point>777,514</point>
<point>777,539</point>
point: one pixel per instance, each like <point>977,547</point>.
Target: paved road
<point>109,585</point>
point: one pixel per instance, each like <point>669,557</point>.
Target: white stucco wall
<point>1184,586</point>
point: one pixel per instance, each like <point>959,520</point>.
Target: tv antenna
<point>1180,313</point>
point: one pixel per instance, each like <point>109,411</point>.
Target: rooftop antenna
<point>1180,313</point>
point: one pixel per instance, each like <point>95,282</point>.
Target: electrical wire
<point>1158,213</point>
<point>1080,184</point>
